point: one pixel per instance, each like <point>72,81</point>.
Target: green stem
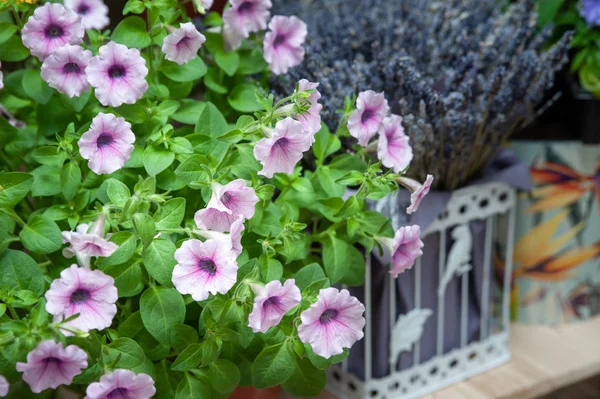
<point>12,312</point>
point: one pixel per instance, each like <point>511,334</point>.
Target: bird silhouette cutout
<point>459,256</point>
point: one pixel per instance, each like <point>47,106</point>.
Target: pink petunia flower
<point>232,38</point>
<point>205,268</point>
<point>227,204</point>
<point>234,236</point>
<point>4,386</point>
<point>418,191</point>
<point>393,149</point>
<point>245,17</point>
<point>87,241</point>
<point>405,248</point>
<point>50,364</point>
<point>94,13</point>
<point>1,78</point>
<point>280,152</point>
<point>64,70</point>
<point>118,74</point>
<point>365,121</point>
<point>271,303</point>
<point>108,144</point>
<point>50,27</point>
<point>90,293</point>
<point>311,120</point>
<point>122,384</point>
<point>182,44</point>
<point>332,323</point>
<point>283,43</point>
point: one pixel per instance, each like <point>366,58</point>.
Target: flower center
<point>366,115</point>
<point>245,7</point>
<point>52,360</point>
<point>103,140</point>
<point>274,300</point>
<point>207,265</point>
<point>279,40</point>
<point>116,71</point>
<point>281,143</point>
<point>53,31</point>
<point>119,393</point>
<point>83,9</point>
<point>71,67</point>
<point>80,295</point>
<point>226,198</point>
<point>328,316</point>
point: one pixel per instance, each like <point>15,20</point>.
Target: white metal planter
<point>493,206</point>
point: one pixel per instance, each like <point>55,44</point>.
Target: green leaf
<point>170,214</point>
<point>243,98</point>
<point>6,31</point>
<point>41,235</point>
<point>227,61</point>
<point>144,225</point>
<point>233,136</point>
<point>166,380</point>
<point>49,155</point>
<point>128,278</point>
<point>211,122</point>
<point>547,10</point>
<point>191,387</point>
<point>325,143</point>
<point>12,50</point>
<point>127,243</point>
<point>70,180</point>
<point>271,269</point>
<point>14,186</point>
<point>188,112</point>
<point>54,116</point>
<point>117,192</point>
<point>159,260</point>
<point>320,362</point>
<point>46,181</point>
<point>131,326</point>
<point>343,262</point>
<point>183,336</point>
<point>309,274</point>
<point>307,380</point>
<point>134,6</point>
<point>273,366</point>
<point>191,170</point>
<point>191,70</point>
<point>157,159</point>
<point>18,271</point>
<point>224,375</point>
<point>35,87</point>
<point>189,358</point>
<point>132,32</point>
<point>129,353</point>
<point>161,309</point>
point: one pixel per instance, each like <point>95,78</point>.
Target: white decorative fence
<point>459,344</point>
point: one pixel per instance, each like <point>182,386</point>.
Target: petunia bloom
<point>64,70</point>
<point>205,268</point>
<point>51,26</point>
<point>418,191</point>
<point>365,121</point>
<point>227,204</point>
<point>1,78</point>
<point>271,303</point>
<point>332,323</point>
<point>118,74</point>
<point>91,293</point>
<point>393,149</point>
<point>245,17</point>
<point>50,364</point>
<point>405,248</point>
<point>182,44</point>
<point>283,43</point>
<point>311,120</point>
<point>590,11</point>
<point>234,236</point>
<point>94,13</point>
<point>280,152</point>
<point>87,241</point>
<point>4,386</point>
<point>108,143</point>
<point>122,384</point>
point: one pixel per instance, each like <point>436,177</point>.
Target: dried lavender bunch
<point>464,74</point>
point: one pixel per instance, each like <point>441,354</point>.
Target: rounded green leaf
<point>12,50</point>
<point>170,214</point>
<point>70,180</point>
<point>41,235</point>
<point>191,387</point>
<point>189,358</point>
<point>192,70</point>
<point>157,159</point>
<point>224,375</point>
<point>161,309</point>
<point>132,32</point>
<point>243,98</point>
<point>127,351</point>
<point>273,366</point>
<point>35,87</point>
<point>159,260</point>
<point>18,271</point>
<point>307,380</point>
<point>14,186</point>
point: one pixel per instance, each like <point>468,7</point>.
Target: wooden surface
<point>544,359</point>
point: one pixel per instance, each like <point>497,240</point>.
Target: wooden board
<point>543,360</point>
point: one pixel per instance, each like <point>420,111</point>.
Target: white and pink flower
<point>182,44</point>
<point>311,120</point>
<point>243,18</point>
<point>94,13</point>
<point>405,248</point>
<point>64,70</point>
<point>283,43</point>
<point>122,384</point>
<point>118,74</point>
<point>332,323</point>
<point>108,144</point>
<point>87,241</point>
<point>50,365</point>
<point>418,191</point>
<point>51,26</point>
<point>280,152</point>
<point>271,303</point>
<point>365,121</point>
<point>393,149</point>
<point>205,268</point>
<point>4,386</point>
<point>1,78</point>
<point>91,293</point>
